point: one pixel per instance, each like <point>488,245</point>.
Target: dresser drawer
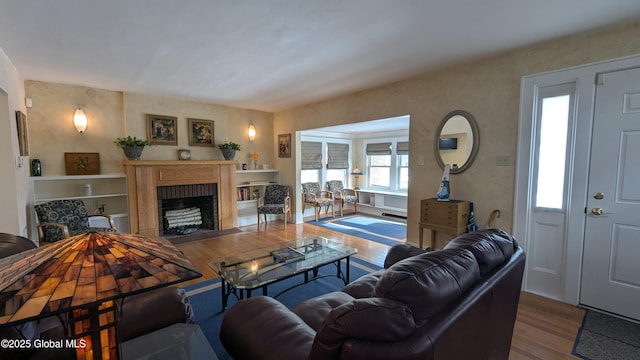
<point>453,215</point>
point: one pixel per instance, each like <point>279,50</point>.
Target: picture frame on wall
<point>82,163</point>
<point>162,130</point>
<point>23,136</point>
<point>200,132</point>
<point>284,145</point>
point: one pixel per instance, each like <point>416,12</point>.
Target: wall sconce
<point>252,132</point>
<point>80,120</point>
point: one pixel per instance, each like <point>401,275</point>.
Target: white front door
<point>611,262</point>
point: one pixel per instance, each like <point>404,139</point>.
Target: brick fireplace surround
<point>144,177</point>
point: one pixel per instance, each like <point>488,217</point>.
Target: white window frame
<point>545,93</point>
<point>394,171</point>
<point>323,172</point>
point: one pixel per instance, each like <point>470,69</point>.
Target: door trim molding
<point>585,78</point>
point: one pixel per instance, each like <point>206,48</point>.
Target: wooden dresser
<point>450,217</point>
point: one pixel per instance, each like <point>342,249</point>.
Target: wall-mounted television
<point>448,143</point>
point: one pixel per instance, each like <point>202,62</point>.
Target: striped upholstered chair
<point>276,200</point>
<point>343,196</point>
<point>314,196</point>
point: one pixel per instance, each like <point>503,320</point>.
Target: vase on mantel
<point>133,152</point>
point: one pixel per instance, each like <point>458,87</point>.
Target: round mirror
<point>457,141</point>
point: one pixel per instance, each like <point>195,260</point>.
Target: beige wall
<point>14,181</point>
<point>53,132</point>
<point>488,89</point>
<point>113,114</point>
<point>230,124</point>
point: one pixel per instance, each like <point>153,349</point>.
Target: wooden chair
<point>343,196</point>
<point>314,196</point>
<point>60,219</point>
<point>275,200</point>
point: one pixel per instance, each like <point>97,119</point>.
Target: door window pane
<point>552,151</point>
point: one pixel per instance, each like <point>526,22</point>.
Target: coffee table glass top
<point>252,269</point>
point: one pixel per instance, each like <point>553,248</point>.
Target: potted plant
<point>131,146</point>
<point>229,149</point>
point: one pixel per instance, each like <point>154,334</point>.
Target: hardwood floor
<point>544,329</point>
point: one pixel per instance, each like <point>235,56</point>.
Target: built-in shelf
<point>383,201</point>
<point>250,185</point>
<point>104,190</point>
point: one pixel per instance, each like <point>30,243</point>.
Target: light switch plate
<point>503,160</point>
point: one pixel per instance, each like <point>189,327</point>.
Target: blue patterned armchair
<point>60,219</point>
<point>276,200</point>
<point>314,196</point>
<point>343,196</point>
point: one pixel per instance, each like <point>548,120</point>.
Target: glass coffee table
<point>244,272</point>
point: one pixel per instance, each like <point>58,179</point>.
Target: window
<point>402,151</point>
<point>337,175</point>
<point>337,162</point>
<point>554,111</point>
<point>388,165</point>
<point>380,171</point>
<point>309,176</point>
<point>311,154</point>
<point>324,160</point>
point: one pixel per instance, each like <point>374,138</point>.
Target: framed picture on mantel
<point>162,130</point>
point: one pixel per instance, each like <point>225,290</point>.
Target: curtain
<point>402,148</point>
<point>311,155</point>
<point>379,149</point>
<point>338,156</point>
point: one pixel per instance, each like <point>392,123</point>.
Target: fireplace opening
<point>195,205</point>
<point>185,216</point>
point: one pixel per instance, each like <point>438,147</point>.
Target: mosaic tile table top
<point>84,270</point>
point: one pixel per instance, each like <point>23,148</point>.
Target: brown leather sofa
<point>140,314</point>
<point>456,303</point>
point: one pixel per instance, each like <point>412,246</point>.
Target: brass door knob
<point>598,196</point>
<point>597,211</point>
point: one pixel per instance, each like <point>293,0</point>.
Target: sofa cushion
<point>400,252</point>
<point>13,244</point>
<point>153,310</point>
<point>371,319</point>
<point>363,287</point>
<point>313,311</point>
<point>261,327</point>
<point>491,247</point>
<point>430,281</point>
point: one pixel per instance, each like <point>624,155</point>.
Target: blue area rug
<point>387,231</point>
<point>205,297</point>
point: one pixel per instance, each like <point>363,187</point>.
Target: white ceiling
<point>359,129</point>
<point>274,54</point>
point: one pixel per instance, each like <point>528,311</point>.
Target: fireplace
<point>146,178</point>
<point>203,197</point>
